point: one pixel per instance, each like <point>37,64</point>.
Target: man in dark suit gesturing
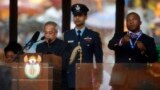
<point>88,40</point>
<point>131,47</point>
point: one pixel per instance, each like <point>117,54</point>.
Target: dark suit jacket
<point>91,45</point>
<point>57,47</point>
<point>125,52</point>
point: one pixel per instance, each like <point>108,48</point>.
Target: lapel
<point>141,38</point>
<point>74,35</point>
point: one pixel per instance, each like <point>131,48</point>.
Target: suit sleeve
<point>114,42</point>
<point>151,51</point>
<point>99,58</point>
<point>98,49</point>
<point>65,36</point>
<point>66,53</point>
<point>65,58</point>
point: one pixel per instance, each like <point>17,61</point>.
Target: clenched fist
<point>125,39</point>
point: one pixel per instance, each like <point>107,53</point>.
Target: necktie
<point>133,40</point>
<point>79,34</point>
<point>133,37</point>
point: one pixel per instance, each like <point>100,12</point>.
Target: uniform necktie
<point>79,34</point>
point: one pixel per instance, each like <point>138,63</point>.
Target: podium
<point>88,76</point>
<point>134,76</point>
<point>5,77</point>
<point>49,77</point>
<point>120,76</point>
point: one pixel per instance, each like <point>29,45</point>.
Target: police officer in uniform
<point>88,39</point>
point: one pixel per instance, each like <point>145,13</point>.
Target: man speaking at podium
<point>51,45</point>
<point>88,40</point>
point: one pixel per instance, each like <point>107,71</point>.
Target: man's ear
<point>86,16</point>
<point>140,22</point>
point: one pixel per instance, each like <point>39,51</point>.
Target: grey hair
<point>53,24</point>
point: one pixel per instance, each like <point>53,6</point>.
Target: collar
<point>82,30</point>
<point>52,41</point>
<point>137,33</point>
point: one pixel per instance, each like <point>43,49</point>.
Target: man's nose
<point>131,22</point>
<point>47,35</point>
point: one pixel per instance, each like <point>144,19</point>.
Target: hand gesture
<point>140,45</point>
<point>125,39</point>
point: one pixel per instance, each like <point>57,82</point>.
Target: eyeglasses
<point>51,32</point>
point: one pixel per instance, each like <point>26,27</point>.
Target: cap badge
<point>77,8</point>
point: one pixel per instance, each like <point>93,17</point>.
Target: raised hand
<point>125,39</point>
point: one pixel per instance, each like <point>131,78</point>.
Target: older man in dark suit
<point>51,44</point>
<point>88,40</point>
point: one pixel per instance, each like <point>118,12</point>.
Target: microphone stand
<point>16,59</point>
<point>27,47</point>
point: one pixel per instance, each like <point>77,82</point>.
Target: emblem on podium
<point>32,66</point>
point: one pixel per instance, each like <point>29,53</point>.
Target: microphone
<point>32,41</point>
<point>49,41</point>
<point>42,38</point>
